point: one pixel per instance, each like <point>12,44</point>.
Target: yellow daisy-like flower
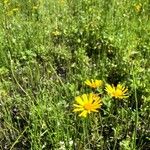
<point>138,7</point>
<point>94,83</point>
<point>87,103</point>
<point>117,92</point>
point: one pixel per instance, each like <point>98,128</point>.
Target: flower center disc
<point>88,106</point>
<point>118,93</point>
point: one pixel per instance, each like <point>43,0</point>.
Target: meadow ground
<point>48,49</point>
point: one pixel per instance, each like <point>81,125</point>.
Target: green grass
<point>48,48</point>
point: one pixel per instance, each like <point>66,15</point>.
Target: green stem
<point>136,105</point>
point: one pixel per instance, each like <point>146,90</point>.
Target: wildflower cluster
<point>91,102</point>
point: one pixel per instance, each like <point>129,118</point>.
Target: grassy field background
<point>48,48</point>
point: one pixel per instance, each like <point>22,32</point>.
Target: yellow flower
<point>94,84</point>
<point>5,1</point>
<point>56,33</point>
<point>138,7</point>
<point>62,1</point>
<point>35,7</point>
<point>11,12</point>
<point>87,103</point>
<point>117,92</point>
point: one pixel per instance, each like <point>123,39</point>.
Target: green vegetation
<point>48,48</point>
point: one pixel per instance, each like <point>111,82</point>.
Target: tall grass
<point>48,49</point>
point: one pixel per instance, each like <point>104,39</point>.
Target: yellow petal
<point>75,105</point>
<point>119,86</point>
<point>78,109</point>
<point>96,98</point>
<point>84,113</point>
<point>94,110</point>
<point>108,88</point>
<point>84,98</point>
<point>79,100</point>
<point>88,82</point>
<point>98,82</point>
<point>125,90</point>
<point>96,104</point>
<point>90,97</point>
